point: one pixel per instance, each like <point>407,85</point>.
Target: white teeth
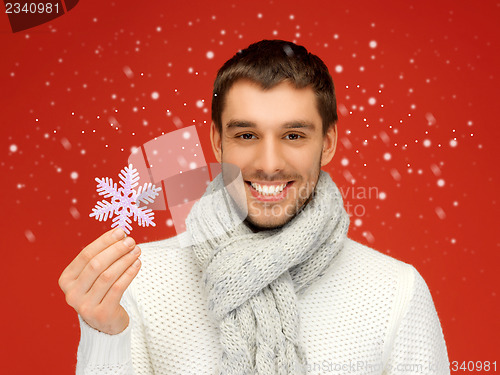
<point>269,190</point>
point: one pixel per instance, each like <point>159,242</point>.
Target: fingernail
<point>136,250</point>
<point>129,241</point>
<point>118,233</point>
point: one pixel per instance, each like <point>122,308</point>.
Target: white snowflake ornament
<point>125,200</point>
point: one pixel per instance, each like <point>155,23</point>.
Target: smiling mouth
<point>269,192</point>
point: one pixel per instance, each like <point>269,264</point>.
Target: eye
<point>243,135</point>
<point>295,135</point>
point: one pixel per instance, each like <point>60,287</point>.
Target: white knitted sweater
<point>369,314</point>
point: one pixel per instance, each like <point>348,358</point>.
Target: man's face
<point>275,138</point>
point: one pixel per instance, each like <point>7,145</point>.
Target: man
<point>265,279</point>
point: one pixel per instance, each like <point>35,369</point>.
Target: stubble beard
<point>290,211</point>
<point>299,204</point>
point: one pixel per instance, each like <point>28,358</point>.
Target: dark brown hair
<point>270,62</point>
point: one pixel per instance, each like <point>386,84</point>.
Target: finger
<point>90,251</point>
<point>107,278</point>
<point>100,264</point>
<point>115,292</point>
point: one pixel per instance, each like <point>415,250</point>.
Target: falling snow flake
<point>29,235</point>
<point>125,200</point>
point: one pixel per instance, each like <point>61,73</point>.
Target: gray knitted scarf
<point>252,279</point>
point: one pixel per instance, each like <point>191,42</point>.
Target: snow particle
<point>369,236</point>
<point>74,175</point>
<point>128,72</point>
<point>440,182</point>
<point>382,195</point>
<point>358,222</point>
<point>74,212</point>
<point>66,143</point>
<point>155,95</point>
<point>169,222</point>
<point>344,162</point>
<point>186,135</point>
<point>431,120</point>
<point>13,148</point>
<point>395,174</point>
<point>372,101</point>
<point>436,170</point>
<point>199,103</point>
<point>339,68</point>
<point>387,156</point>
<point>373,44</point>
<point>453,143</point>
<point>29,235</point>
<point>210,55</point>
<point>440,213</point>
<point>426,142</point>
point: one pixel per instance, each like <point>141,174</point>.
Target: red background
<point>432,73</point>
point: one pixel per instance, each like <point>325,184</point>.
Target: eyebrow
<point>233,124</point>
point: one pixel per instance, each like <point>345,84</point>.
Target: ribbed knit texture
<point>368,310</point>
<point>251,279</point>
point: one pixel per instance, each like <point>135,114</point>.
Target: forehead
<point>246,100</point>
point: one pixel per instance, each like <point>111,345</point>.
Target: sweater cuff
<point>100,349</point>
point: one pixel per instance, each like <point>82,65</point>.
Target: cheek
<point>233,154</point>
<point>303,162</point>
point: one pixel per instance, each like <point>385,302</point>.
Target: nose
<point>269,156</point>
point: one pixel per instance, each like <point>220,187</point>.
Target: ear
<point>216,139</point>
<point>329,145</point>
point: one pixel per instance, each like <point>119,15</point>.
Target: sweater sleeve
<point>124,353</point>
<point>419,346</point>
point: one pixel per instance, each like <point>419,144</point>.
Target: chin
<point>266,224</point>
<point>261,218</point>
